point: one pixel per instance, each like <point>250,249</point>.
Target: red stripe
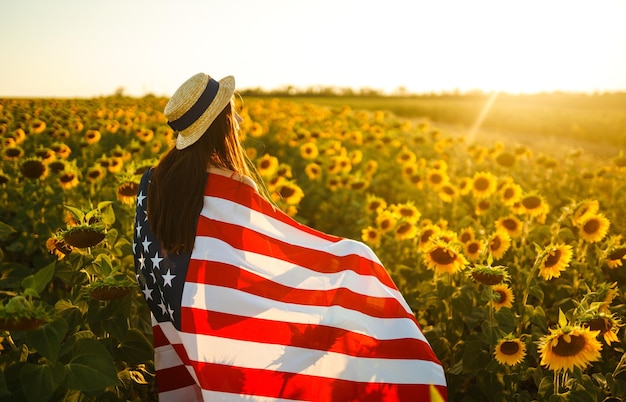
<point>276,384</point>
<point>159,336</point>
<point>243,238</point>
<point>223,187</point>
<point>172,378</point>
<point>309,336</point>
<point>225,275</point>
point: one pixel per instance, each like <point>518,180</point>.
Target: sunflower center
<point>264,164</point>
<point>13,152</point>
<point>508,193</point>
<point>472,248</point>
<point>33,169</point>
<point>128,189</point>
<point>531,202</point>
<point>564,348</point>
<point>552,259</point>
<point>436,178</point>
<point>385,224</point>
<point>404,228</point>
<point>481,184</point>
<point>374,205</point>
<point>509,347</point>
<point>67,178</point>
<point>618,254</point>
<point>286,191</point>
<point>448,190</point>
<point>591,226</point>
<point>600,324</point>
<point>426,235</point>
<point>442,256</point>
<point>495,243</point>
<point>510,224</point>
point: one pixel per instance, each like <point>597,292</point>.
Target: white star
<point>153,277</point>
<point>148,292</point>
<point>167,279</point>
<point>146,244</point>
<point>142,262</point>
<point>140,199</point>
<point>134,247</point>
<point>156,261</point>
<point>163,308</point>
<point>170,312</point>
<point>138,229</point>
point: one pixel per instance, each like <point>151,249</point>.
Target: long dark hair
<point>175,193</point>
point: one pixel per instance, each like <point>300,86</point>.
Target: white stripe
<point>288,274</point>
<point>166,357</point>
<point>227,211</point>
<point>190,393</point>
<point>204,348</point>
<point>227,397</point>
<point>231,301</point>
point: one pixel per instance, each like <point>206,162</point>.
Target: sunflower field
<point>511,258</point>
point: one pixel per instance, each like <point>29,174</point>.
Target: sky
<point>81,48</point>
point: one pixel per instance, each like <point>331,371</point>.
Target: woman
<point>249,304</point>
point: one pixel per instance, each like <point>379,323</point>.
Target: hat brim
<point>193,133</point>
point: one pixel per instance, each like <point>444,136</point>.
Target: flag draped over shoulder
<point>266,308</point>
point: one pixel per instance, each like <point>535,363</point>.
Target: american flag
<point>266,308</point>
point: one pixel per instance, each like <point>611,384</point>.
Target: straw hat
<point>195,104</point>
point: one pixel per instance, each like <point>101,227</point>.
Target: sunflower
<point>427,232</point>
<point>467,234</point>
<point>46,155</point>
<point>267,165</point>
<point>340,163</point>
<point>503,296</point>
<point>61,150</point>
<point>465,186</point>
<point>473,249</point>
<point>313,171</point>
<point>127,191</point>
<point>499,243</point>
<point>144,135</point>
<point>448,192</point>
<point>407,211</point>
<point>355,156</point>
<point>489,275</point>
<point>371,236</point>
<point>510,351</point>
<point>115,165</point>
<point>568,347</point>
<point>406,156</point>
<point>583,208</point>
<point>483,184</point>
<point>95,173</point>
<point>511,224</point>
<point>12,153</point>
<point>256,130</point>
<point>334,183</point>
<point>309,151</point>
<point>92,136</point>
<point>444,257</point>
<point>593,227</point>
<point>68,180</point>
<point>84,236</point>
<point>284,170</point>
<point>33,168</point>
<point>436,178</point>
<point>482,207</point>
<point>386,221</point>
<point>607,324</point>
<point>405,230</point>
<point>555,259</point>
<point>37,126</point>
<point>616,256</point>
<point>534,206</point>
<point>289,192</point>
<point>371,167</point>
<point>510,193</point>
<point>375,204</point>
<point>58,247</point>
<point>417,180</point>
<point>506,159</point>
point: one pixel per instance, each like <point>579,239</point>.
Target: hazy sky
<point>69,48</point>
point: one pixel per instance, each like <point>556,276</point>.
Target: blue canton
<point>161,277</point>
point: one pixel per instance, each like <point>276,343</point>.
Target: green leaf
<point>107,214</point>
<point>135,348</point>
<point>106,266</point>
<point>78,214</point>
<point>91,367</point>
<point>6,230</point>
<point>40,279</point>
<point>562,319</point>
<point>39,381</point>
<point>47,338</point>
<point>474,357</point>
